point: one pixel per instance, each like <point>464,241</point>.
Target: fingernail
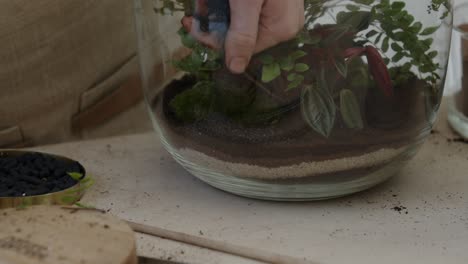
<point>238,65</point>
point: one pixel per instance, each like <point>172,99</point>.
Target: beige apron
<point>68,70</point>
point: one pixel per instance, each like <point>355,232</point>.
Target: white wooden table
<point>137,180</point>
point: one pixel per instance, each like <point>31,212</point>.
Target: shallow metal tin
<point>57,198</point>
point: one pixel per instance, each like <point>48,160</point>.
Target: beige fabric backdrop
<point>59,57</point>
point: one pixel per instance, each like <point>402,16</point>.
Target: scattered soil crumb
<point>457,140</point>
<point>400,209</point>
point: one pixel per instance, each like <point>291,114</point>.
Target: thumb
<point>242,35</point>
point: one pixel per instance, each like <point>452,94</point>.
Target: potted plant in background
<point>336,110</point>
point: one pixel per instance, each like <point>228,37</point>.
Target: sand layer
<point>301,170</point>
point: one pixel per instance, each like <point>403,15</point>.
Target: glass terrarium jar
<point>336,110</point>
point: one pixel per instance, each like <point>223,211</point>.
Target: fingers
<point>242,35</point>
<point>187,22</point>
<point>281,21</point>
<point>256,25</point>
<point>212,39</point>
<point>209,39</point>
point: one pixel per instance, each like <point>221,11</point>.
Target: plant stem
<point>261,86</point>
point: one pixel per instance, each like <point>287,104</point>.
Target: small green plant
<point>324,62</point>
<point>272,68</point>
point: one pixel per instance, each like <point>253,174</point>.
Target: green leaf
<point>429,31</point>
<point>401,36</point>
<point>396,47</point>
<point>287,64</point>
<point>432,54</point>
<point>385,44</point>
<point>270,72</point>
<point>186,39</point>
<point>352,7</point>
<point>341,66</point>
<point>408,19</point>
<point>426,68</point>
<point>76,175</point>
<point>318,108</point>
<point>379,37</point>
<point>364,2</point>
<point>298,79</point>
<point>406,67</point>
<point>397,57</point>
<point>360,79</point>
<point>266,59</point>
<point>297,55</point>
<point>293,84</point>
<point>427,42</point>
<point>397,5</point>
<point>188,64</point>
<point>301,67</point>
<point>350,110</point>
<point>371,33</point>
<point>416,28</point>
<point>197,58</point>
<point>307,38</point>
<point>357,20</point>
<point>213,54</point>
<point>292,77</point>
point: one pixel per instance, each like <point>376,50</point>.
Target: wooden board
<point>54,235</point>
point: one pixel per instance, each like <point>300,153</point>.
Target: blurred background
<point>69,71</point>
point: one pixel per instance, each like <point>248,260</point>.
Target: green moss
<point>194,104</point>
<point>206,98</point>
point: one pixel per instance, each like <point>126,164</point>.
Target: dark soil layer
<point>390,123</point>
<point>33,174</point>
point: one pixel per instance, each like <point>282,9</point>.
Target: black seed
<point>59,173</point>
<point>29,179</point>
<point>35,174</point>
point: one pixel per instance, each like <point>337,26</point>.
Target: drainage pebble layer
<point>35,174</point>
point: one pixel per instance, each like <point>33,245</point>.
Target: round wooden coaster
<point>55,235</point>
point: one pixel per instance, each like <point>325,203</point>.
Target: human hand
<point>256,25</point>
<point>260,24</point>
